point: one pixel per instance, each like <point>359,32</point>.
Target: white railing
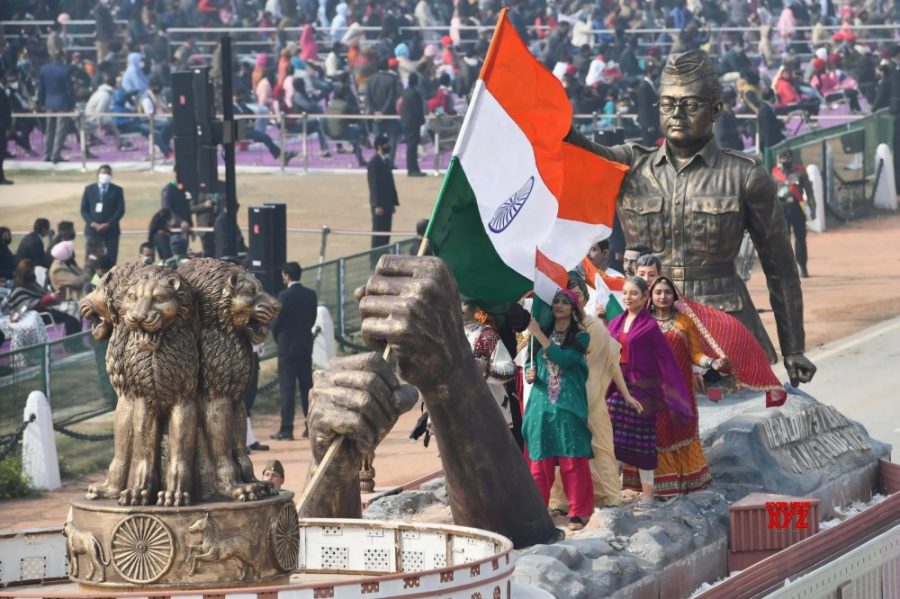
<point>870,570</point>
<point>281,120</point>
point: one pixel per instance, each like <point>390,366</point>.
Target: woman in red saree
<point>681,466</point>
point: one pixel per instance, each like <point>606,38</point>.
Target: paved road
<point>860,376</point>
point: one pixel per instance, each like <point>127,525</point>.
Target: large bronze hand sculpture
<point>359,398</point>
<point>412,304</point>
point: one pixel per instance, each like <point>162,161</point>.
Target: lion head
<point>247,306</point>
<point>156,297</point>
<point>101,305</point>
<point>231,296</point>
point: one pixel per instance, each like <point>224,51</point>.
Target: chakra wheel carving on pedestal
<point>285,538</point>
<point>142,548</point>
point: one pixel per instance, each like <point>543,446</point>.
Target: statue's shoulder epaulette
<point>753,159</point>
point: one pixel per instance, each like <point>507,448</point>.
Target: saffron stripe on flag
<point>549,277</point>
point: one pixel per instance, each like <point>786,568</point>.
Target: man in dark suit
<point>888,96</point>
<point>32,247</point>
<point>382,91</point>
<point>102,207</point>
<point>382,191</point>
<point>412,117</point>
<point>56,94</point>
<point>648,115</point>
<point>6,125</point>
<point>293,334</point>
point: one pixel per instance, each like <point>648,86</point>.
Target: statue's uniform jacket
<point>694,219</point>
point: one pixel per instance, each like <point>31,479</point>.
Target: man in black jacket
<point>382,191</point>
<point>382,91</point>
<point>648,115</point>
<point>726,128</point>
<point>56,93</point>
<point>768,125</point>
<point>6,127</point>
<point>102,207</point>
<point>32,247</point>
<point>888,96</point>
<point>412,117</point>
<point>293,334</point>
<point>174,198</point>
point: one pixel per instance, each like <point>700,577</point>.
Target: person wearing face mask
<point>795,190</point>
<point>382,191</point>
<point>146,253</point>
<point>102,207</point>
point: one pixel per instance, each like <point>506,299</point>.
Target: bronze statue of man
<point>691,201</point>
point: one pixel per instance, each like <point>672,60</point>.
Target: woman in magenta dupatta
<point>653,378</point>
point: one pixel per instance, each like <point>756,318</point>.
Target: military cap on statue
<point>691,67</point>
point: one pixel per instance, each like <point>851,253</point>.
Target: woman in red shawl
<point>681,466</point>
<point>653,378</point>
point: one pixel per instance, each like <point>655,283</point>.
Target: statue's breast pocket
<point>642,219</point>
<point>715,223</point>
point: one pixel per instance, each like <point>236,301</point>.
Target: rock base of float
<point>804,448</point>
<point>210,545</point>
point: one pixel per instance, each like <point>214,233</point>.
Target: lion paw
<point>104,491</point>
<point>134,496</point>
<point>249,491</point>
<point>173,499</point>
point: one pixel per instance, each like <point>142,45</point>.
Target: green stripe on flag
<point>613,307</point>
<point>456,234</point>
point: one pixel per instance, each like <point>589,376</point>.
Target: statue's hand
<point>412,304</point>
<point>799,369</point>
<point>360,398</point>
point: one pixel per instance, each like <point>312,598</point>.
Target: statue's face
<point>687,113</point>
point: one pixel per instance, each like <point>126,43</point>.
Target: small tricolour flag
<point>519,207</point>
<point>607,292</point>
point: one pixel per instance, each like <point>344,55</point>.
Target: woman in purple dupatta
<point>653,378</point>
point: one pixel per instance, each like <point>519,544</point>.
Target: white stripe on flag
<point>569,241</point>
<point>544,287</point>
<point>498,161</point>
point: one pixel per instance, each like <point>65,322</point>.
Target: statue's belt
<point>706,271</point>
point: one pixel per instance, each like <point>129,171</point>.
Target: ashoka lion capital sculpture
<point>180,497</point>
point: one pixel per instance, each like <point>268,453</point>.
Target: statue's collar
<point>708,154</point>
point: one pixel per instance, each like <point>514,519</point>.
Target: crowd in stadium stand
<point>325,57</point>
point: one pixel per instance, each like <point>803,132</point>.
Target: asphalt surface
<point>860,376</point>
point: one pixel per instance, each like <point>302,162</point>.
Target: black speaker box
<point>262,236</point>
<point>197,165</point>
<point>280,233</point>
<point>184,120</point>
<point>207,169</point>
<point>193,110</point>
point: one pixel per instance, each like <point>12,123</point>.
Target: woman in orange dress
<point>681,466</point>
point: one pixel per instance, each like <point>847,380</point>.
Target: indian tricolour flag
<point>607,292</point>
<point>519,207</point>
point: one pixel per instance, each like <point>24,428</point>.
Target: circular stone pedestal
<point>208,545</point>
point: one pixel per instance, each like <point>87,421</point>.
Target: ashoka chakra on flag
<point>508,210</point>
